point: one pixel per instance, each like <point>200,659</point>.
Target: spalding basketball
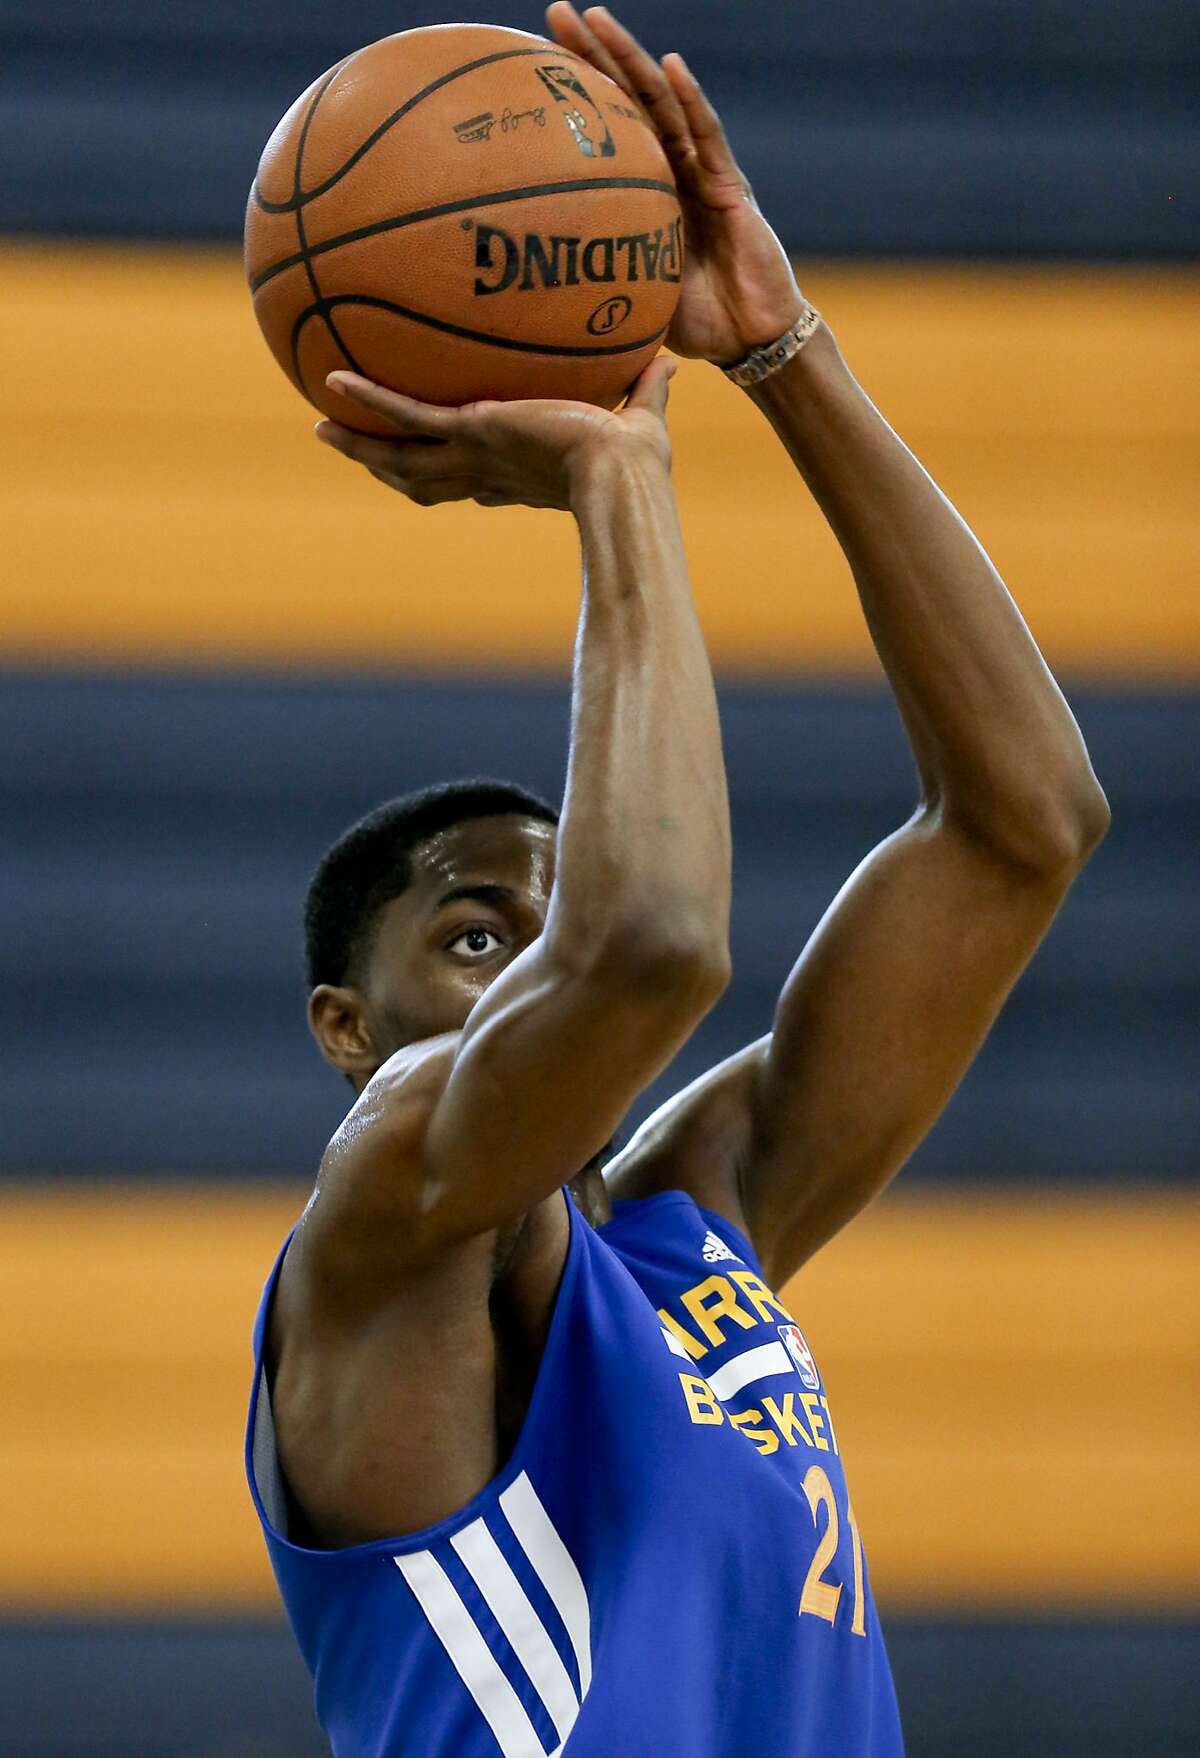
<point>461,212</point>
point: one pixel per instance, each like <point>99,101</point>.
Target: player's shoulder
<point>396,1100</point>
<point>369,1192</point>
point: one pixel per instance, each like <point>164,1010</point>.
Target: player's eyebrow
<point>495,895</point>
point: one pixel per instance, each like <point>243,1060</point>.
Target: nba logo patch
<point>801,1354</point>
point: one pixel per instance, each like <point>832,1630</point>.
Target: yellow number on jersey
<point>821,1597</point>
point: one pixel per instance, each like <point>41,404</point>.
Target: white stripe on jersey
<point>751,1364</point>
<point>538,1537</point>
<point>674,1345</point>
<point>527,1636</point>
<point>525,1633</point>
<point>459,1635</point>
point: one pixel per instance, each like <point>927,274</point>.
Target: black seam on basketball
<point>320,308</point>
<point>297,369</point>
<point>573,186</point>
<point>305,254</point>
<point>301,198</point>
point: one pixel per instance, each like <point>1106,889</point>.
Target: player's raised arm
<point>467,1133</point>
<point>903,978</point>
<point>899,985</point>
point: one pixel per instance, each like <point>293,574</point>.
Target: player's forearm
<point>995,742</point>
<point>644,848</point>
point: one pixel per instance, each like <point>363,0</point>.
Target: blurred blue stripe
<point>1091,1688</point>
<point>901,127</point>
<point>159,832</point>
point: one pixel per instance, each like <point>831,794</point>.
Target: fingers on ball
<point>704,125</point>
<point>405,413</point>
<point>575,33</point>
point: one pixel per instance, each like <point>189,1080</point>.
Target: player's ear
<point>337,1020</point>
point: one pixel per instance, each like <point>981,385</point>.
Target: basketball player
<point>542,1459</point>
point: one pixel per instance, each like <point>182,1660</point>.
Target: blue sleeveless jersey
<point>667,1564</point>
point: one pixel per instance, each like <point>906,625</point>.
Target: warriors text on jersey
<point>667,1564</point>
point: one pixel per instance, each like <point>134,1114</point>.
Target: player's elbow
<point>1068,826</point>
<point>692,968</point>
<point>1043,826</point>
<point>1091,821</point>
<point>1053,831</point>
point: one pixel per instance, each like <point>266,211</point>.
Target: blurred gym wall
<point>218,645</point>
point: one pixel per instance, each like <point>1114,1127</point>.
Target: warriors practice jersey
<point>667,1566</point>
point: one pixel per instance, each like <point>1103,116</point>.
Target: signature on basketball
<point>477,128</point>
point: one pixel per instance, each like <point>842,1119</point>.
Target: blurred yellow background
<point>1014,1381</point>
<point>163,500</point>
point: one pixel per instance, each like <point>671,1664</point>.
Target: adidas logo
<point>715,1251</point>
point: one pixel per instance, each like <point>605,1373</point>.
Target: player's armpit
<point>877,1024</point>
<point>698,1141</point>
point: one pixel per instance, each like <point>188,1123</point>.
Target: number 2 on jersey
<point>821,1597</point>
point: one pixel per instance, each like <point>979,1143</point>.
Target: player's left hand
<point>532,452</point>
<point>738,290</point>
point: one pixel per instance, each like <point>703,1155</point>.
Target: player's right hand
<point>534,453</point>
<point>738,289</point>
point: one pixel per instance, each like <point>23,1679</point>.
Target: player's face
<point>479,895</point>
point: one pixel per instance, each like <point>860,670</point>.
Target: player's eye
<point>474,943</point>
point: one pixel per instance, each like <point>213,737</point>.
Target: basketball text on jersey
<point>716,1309</point>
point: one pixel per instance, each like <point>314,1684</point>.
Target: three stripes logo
<point>540,1652</point>
<point>715,1250</point>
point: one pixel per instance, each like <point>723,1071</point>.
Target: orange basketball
<point>461,212</point>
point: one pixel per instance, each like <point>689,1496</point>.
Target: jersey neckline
<point>627,1209</point>
<point>624,1207</point>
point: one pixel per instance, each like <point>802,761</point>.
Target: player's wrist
<point>803,380</point>
<point>759,329</point>
<point>607,467</point>
<point>762,359</point>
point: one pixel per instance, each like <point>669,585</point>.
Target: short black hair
<point>369,863</point>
